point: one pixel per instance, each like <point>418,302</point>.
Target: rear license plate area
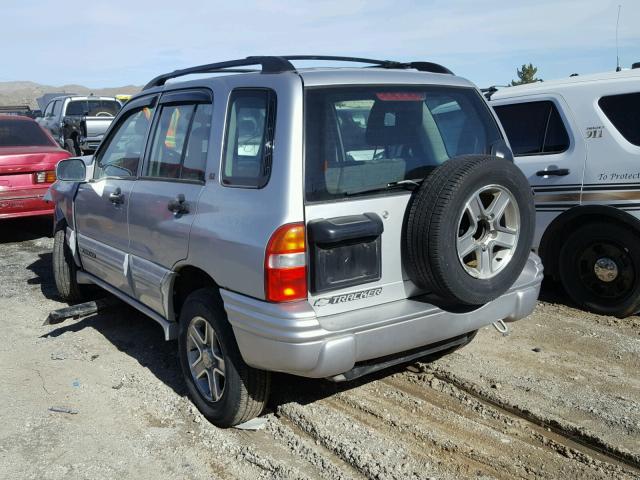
<point>345,251</point>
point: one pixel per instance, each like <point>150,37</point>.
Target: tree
<point>527,74</point>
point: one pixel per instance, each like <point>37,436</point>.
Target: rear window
<point>366,137</point>
<point>22,133</point>
<point>93,108</point>
<point>533,128</point>
<point>624,112</point>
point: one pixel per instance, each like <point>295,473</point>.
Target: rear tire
<point>64,270</point>
<point>208,350</point>
<point>600,269</point>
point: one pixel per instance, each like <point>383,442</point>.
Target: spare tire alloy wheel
<point>206,359</point>
<point>488,229</point>
<point>468,232</point>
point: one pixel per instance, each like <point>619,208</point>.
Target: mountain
<point>25,93</point>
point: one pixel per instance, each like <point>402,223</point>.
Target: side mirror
<point>71,170</point>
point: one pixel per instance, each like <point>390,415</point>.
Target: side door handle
<point>116,197</point>
<point>556,172</point>
<point>178,205</point>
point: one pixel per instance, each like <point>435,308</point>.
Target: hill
<point>25,93</point>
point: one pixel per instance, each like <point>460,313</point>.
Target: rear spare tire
<point>469,229</point>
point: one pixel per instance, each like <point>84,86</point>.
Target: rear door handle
<point>556,172</point>
<point>116,197</point>
<point>178,205</point>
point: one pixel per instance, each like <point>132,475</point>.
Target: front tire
<point>600,269</point>
<point>222,386</point>
<point>64,270</point>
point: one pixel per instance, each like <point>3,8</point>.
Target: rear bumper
<point>290,338</point>
<point>24,203</point>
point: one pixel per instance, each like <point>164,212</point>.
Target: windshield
<point>360,138</point>
<point>22,133</point>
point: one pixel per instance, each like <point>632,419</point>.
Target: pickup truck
<point>78,123</point>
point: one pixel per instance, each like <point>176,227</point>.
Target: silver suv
<point>324,222</point>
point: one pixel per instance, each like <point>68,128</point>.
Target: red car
<point>28,158</point>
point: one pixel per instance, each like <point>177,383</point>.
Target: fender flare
<point>551,241</point>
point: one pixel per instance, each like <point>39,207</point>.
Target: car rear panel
<point>392,283</point>
<point>20,194</point>
<point>366,148</point>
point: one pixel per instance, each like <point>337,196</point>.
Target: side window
<point>121,155</point>
<point>168,141</point>
<point>533,128</point>
<point>195,155</point>
<point>624,112</point>
<point>49,110</point>
<point>180,142</point>
<point>249,138</point>
<point>56,108</point>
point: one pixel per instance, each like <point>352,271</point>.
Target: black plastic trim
<point>187,96</point>
<point>341,229</point>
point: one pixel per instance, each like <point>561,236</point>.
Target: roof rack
<point>489,91</point>
<point>279,64</point>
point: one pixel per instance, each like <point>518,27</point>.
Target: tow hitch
<point>501,327</point>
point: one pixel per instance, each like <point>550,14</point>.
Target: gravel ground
<point>502,407</point>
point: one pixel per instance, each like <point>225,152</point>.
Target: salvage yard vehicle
<point>79,123</point>
<point>28,158</point>
<point>578,142</point>
<point>323,222</point>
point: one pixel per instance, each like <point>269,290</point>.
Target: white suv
<point>578,142</point>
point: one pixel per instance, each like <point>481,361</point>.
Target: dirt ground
<point>559,397</point>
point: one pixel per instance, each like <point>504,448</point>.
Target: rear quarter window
<point>249,138</point>
<point>624,112</point>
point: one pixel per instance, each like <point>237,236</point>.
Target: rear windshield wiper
<point>400,184</point>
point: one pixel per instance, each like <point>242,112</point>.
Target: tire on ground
<point>440,214</point>
<point>70,146</point>
<point>64,270</point>
<point>618,295</point>
<point>246,389</point>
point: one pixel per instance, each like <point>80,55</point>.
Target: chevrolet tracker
<point>323,222</point>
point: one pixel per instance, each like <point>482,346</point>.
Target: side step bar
<point>370,366</point>
<point>170,328</point>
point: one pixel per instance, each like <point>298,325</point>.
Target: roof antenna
<point>617,51</point>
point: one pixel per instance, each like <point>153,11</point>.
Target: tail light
<point>45,177</point>
<point>285,264</point>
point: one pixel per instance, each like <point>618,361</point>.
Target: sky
<point>113,43</point>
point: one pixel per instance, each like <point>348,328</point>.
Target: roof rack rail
<point>268,64</point>
<point>391,64</point>
<point>489,91</point>
<point>279,64</point>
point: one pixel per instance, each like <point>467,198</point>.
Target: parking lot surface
<point>101,397</point>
